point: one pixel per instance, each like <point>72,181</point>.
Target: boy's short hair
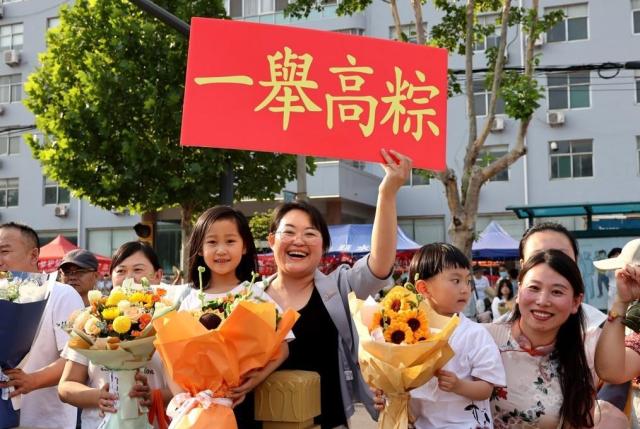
<point>431,259</point>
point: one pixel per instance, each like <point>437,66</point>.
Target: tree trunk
<point>396,19</point>
<point>186,226</point>
<point>417,11</point>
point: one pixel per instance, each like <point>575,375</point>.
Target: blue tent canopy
<point>356,238</point>
<point>495,243</point>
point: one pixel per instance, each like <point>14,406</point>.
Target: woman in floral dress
<point>549,383</point>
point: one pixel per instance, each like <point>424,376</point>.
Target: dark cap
<point>80,257</point>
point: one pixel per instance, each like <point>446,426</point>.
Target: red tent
<point>51,255</point>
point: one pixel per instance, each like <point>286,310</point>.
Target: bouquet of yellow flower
<point>403,342</point>
<point>116,333</point>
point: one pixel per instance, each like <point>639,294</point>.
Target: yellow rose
<point>137,297</point>
<point>110,313</point>
<point>115,297</point>
<point>122,324</point>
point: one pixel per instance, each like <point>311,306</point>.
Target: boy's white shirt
<point>477,356</point>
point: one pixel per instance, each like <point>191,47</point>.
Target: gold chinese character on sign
<point>405,93</point>
<point>289,79</point>
<point>350,107</point>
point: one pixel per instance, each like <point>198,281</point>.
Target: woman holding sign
<point>325,341</point>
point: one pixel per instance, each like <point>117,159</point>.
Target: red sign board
<point>274,88</point>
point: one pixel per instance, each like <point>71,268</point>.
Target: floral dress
<point>533,395</point>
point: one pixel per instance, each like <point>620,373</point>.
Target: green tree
<point>108,97</point>
<point>457,31</point>
<point>259,224</point>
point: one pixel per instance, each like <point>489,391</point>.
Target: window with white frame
<point>9,144</point>
<point>490,154</point>
<point>10,88</point>
<point>635,16</point>
<point>107,241</point>
<point>424,230</point>
<point>9,192</point>
<point>242,8</point>
<point>351,31</point>
<point>11,36</point>
<point>417,178</point>
<point>482,97</point>
<point>571,158</point>
<point>409,30</point>
<point>569,90</point>
<point>491,41</point>
<point>54,194</point>
<point>574,25</point>
<point>53,22</point>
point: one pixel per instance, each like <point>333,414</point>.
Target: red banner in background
<point>281,89</point>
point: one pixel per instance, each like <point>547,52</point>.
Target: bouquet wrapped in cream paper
<point>403,342</point>
<point>116,332</point>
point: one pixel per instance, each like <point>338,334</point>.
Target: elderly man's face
<point>16,252</point>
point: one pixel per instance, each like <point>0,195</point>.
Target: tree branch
<point>417,11</point>
<point>471,110</point>
<point>396,18</point>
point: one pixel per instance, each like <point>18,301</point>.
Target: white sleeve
<point>65,301</point>
<point>69,354</point>
<point>495,304</point>
<point>485,358</point>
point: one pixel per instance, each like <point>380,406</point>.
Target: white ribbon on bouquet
<point>182,403</point>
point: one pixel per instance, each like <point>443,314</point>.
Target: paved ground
<point>362,420</point>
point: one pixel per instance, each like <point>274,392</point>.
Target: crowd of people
<point>538,364</point>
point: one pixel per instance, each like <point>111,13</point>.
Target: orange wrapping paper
<point>197,359</point>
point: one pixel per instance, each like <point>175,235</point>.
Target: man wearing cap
<point>617,358</point>
<point>79,269</point>
<point>39,377</point>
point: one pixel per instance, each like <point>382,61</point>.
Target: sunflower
<point>379,321</point>
<point>416,320</point>
<point>398,333</point>
<point>397,301</point>
<point>421,335</point>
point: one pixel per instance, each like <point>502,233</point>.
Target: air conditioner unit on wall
<point>11,57</point>
<point>497,124</point>
<point>555,118</point>
<point>61,210</point>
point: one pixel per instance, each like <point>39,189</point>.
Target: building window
<point>409,30</point>
<point>54,194</point>
<point>490,154</point>
<point>568,90</point>
<point>482,97</point>
<point>351,31</point>
<point>107,241</point>
<point>10,88</point>
<point>9,192</point>
<point>571,158</point>
<point>9,144</point>
<point>574,25</point>
<point>417,178</point>
<point>635,16</point>
<point>241,8</point>
<point>53,22</point>
<point>11,1</point>
<point>11,36</point>
<point>491,41</point>
<point>424,231</point>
